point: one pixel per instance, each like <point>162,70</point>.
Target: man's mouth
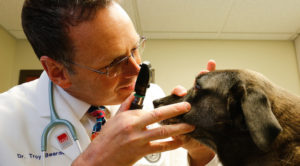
<point>129,87</point>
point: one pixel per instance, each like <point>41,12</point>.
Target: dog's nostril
<point>156,103</point>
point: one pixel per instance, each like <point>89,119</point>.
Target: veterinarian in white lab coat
<point>90,51</point>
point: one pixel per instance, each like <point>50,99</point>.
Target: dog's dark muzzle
<point>167,100</point>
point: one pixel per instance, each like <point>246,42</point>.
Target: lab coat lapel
<point>43,106</point>
<point>64,111</point>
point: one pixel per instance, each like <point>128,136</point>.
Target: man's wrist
<point>81,160</point>
<point>78,162</point>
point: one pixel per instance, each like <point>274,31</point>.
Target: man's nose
<point>132,68</point>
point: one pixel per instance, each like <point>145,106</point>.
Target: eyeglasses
<point>115,68</point>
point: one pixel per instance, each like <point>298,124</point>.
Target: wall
<point>14,56</point>
<point>179,61</point>
<point>297,48</point>
<point>7,55</point>
<point>25,59</point>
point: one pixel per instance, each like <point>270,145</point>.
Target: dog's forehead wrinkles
<point>218,81</point>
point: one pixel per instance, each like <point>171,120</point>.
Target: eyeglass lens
<point>116,68</point>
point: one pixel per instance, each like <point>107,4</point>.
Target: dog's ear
<point>260,120</point>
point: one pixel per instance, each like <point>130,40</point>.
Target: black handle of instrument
<point>141,86</point>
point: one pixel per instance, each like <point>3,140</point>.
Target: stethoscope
<point>55,120</point>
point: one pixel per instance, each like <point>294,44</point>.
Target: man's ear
<point>56,71</point>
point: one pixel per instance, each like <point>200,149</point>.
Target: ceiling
<point>195,19</point>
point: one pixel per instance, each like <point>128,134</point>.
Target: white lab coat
<point>25,112</point>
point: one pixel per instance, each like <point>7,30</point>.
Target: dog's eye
<point>197,86</point>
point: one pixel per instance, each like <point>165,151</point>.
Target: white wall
<point>297,48</point>
<point>179,61</point>
<point>25,59</point>
<point>7,55</point>
<point>14,56</point>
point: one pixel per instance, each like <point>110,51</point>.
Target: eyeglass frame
<point>106,68</point>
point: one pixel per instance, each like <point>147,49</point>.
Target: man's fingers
<point>156,147</point>
<point>164,112</point>
<point>166,131</point>
<point>211,65</point>
<point>126,104</point>
<point>179,91</point>
<point>203,72</point>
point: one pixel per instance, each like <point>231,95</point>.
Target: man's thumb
<point>126,104</point>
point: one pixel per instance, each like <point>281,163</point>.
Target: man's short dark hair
<point>46,24</point>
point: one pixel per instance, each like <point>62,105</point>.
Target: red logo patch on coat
<point>64,140</point>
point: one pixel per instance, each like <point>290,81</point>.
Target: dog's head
<point>228,103</point>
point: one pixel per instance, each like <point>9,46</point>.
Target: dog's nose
<point>156,103</point>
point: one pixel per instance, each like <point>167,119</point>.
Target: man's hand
<point>211,66</point>
<point>125,139</point>
<point>198,154</point>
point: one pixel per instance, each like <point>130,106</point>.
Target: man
<point>89,49</point>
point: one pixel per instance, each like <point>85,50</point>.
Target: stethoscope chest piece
<point>153,158</point>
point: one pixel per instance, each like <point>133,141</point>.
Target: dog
<point>245,118</point>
